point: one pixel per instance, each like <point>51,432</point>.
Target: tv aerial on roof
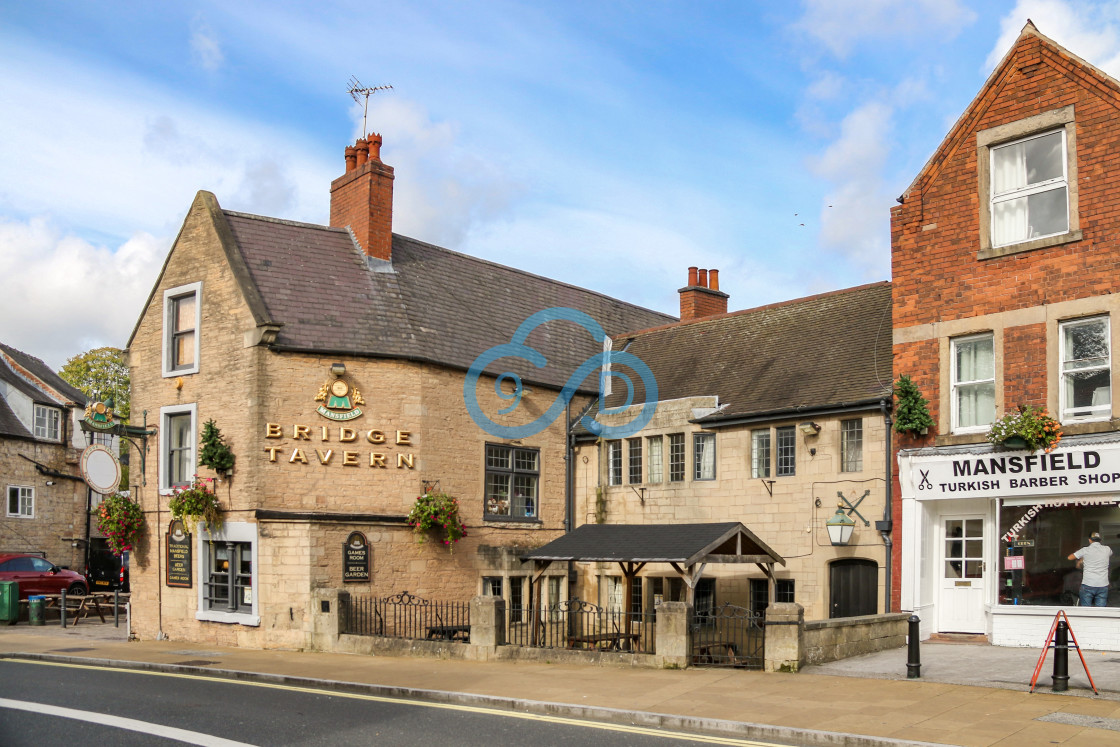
<point>357,89</point>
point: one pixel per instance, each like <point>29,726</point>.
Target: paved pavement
<point>969,694</point>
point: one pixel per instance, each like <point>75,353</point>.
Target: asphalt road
<point>43,703</point>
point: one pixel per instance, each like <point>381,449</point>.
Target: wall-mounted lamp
<point>840,527</point>
<point>338,369</point>
<point>809,428</point>
<point>50,482</point>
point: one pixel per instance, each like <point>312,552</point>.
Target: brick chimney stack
<point>702,296</point>
<point>362,198</point>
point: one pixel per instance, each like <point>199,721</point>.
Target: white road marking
<point>118,722</point>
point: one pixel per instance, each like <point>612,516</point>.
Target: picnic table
<point>616,641</point>
<point>77,607</point>
<point>450,632</point>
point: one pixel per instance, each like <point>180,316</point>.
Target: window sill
<point>233,618</point>
<point>993,252</point>
<point>1081,427</point>
<point>961,438</point>
<point>512,522</point>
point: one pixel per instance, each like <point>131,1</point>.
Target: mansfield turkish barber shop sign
<point>1083,469</point>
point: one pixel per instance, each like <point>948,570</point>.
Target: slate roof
<point>41,370</point>
<point>653,543</point>
<point>10,425</point>
<point>824,351</point>
<point>434,305</point>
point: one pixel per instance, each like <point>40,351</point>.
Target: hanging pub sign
<point>355,559</point>
<point>179,560</point>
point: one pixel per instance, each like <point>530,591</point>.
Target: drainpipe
<point>886,524</point>
<point>569,469</point>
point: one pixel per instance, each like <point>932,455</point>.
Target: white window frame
<point>656,468</point>
<point>955,386</point>
<point>230,531</point>
<point>614,462</point>
<point>165,413</point>
<point>634,461</point>
<point>988,140</point>
<point>25,501</point>
<point>169,297</point>
<point>1105,410</point>
<point>699,469</point>
<point>761,456</point>
<point>1050,185</point>
<point>52,417</point>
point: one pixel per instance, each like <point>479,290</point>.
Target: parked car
<point>36,575</point>
<point>107,572</point>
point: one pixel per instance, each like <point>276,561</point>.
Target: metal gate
<point>727,636</point>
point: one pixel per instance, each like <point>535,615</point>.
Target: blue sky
<point>607,144</point>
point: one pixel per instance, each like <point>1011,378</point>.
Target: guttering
<point>723,421</point>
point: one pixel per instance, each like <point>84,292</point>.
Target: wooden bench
<point>605,641</point>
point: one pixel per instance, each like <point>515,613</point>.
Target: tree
<point>101,373</point>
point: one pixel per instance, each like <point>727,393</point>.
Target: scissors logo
<point>516,348</point>
<point>925,484</point>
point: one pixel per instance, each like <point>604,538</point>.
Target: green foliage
<point>215,453</point>
<point>1032,424</point>
<point>437,512</point>
<point>120,519</point>
<point>197,503</point>
<point>101,374</point>
<point>911,414</point>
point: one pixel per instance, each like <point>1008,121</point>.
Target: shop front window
<point>1036,541</point>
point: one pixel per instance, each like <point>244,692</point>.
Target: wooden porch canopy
<point>688,548</point>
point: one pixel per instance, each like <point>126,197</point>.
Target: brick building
<point>1004,274</point>
<point>751,429</point>
<point>40,445</point>
<point>335,362</point>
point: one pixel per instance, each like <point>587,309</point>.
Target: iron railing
<point>577,624</point>
<point>406,616</point>
<point>728,636</point>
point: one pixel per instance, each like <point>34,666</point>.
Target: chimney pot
<point>362,147</point>
<point>703,279</point>
<point>375,147</point>
<point>351,158</point>
<point>713,279</point>
<point>692,275</point>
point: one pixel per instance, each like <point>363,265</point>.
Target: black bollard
<point>914,658</point>
<point>62,608</point>
<point>1061,657</point>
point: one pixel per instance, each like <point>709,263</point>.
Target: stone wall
<point>832,640</point>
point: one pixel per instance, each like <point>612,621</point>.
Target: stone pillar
<point>672,633</point>
<point>785,637</point>
<point>488,621</point>
<point>326,620</point>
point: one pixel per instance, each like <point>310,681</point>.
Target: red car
<point>38,576</point>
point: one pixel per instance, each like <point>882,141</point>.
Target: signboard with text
<point>355,559</point>
<point>179,556</point>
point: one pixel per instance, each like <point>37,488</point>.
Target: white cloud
<point>442,190</point>
<point>205,48</point>
<point>854,218</point>
<point>1089,30</point>
<point>63,295</point>
<point>841,25</point>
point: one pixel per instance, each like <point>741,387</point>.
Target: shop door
<point>961,607</point>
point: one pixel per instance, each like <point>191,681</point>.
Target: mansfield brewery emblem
<point>100,414</point>
<point>340,400</point>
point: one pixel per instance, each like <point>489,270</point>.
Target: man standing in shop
<point>1093,560</point>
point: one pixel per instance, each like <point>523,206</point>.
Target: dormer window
<point>48,423</point>
<point>181,317</point>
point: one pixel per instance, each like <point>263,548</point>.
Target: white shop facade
<point>987,532</point>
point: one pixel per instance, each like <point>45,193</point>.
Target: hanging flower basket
<point>120,519</point>
<point>1028,428</point>
<point>197,503</point>
<point>437,513</point>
